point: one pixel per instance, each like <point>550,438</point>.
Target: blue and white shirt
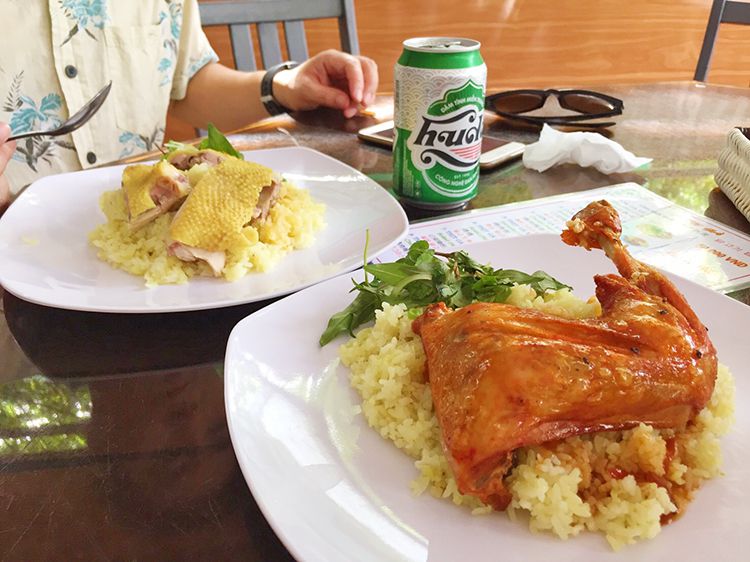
<point>58,53</point>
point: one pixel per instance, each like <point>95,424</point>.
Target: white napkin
<point>584,149</point>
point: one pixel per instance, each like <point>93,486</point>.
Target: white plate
<point>333,496</point>
<point>45,256</point>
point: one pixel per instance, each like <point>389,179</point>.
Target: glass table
<point>113,437</point>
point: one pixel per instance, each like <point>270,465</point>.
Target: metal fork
<point>79,119</point>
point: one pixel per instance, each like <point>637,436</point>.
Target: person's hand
<point>329,79</point>
<point>6,151</point>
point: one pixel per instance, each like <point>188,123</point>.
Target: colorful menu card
<point>655,230</point>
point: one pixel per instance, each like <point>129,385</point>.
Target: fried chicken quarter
<point>504,377</point>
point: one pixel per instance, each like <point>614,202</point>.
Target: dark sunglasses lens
<point>518,103</point>
<point>585,104</point>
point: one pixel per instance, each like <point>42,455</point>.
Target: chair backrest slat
<point>265,14</point>
<point>348,28</point>
<point>296,44</point>
<point>266,11</point>
<point>736,12</point>
<point>270,47</point>
<point>722,11</point>
<point>242,47</point>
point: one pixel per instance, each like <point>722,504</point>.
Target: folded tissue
<point>585,149</point>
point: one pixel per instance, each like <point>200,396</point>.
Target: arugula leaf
<point>420,252</point>
<point>539,280</point>
<point>423,277</point>
<point>357,313</point>
<point>216,141</point>
<point>392,273</point>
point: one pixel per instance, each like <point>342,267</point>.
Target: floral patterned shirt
<point>64,51</point>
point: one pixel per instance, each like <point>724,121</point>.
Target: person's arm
<point>6,152</point>
<point>231,99</point>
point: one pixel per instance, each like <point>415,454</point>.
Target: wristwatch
<point>266,88</point>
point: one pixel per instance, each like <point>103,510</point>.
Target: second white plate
<point>45,256</point>
<point>334,490</point>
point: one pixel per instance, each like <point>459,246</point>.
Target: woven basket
<point>733,177</point>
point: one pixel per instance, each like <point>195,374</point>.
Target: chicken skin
<point>151,191</point>
<point>504,377</point>
<point>220,205</point>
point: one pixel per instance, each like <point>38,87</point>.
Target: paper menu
<point>655,230</point>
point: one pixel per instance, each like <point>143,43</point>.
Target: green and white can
<point>438,114</point>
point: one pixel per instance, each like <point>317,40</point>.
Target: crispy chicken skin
<point>504,377</point>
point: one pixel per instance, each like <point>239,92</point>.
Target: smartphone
<point>495,152</point>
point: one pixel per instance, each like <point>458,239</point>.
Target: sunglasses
<point>589,104</point>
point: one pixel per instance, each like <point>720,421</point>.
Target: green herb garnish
<point>425,276</point>
<point>218,142</point>
<point>215,141</point>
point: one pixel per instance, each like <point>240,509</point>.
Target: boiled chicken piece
<point>152,190</point>
<point>218,208</point>
<point>504,377</point>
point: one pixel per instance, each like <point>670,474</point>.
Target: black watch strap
<point>266,88</point>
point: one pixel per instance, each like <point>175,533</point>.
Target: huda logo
<point>454,140</point>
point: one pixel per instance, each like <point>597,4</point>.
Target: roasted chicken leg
<point>504,377</point>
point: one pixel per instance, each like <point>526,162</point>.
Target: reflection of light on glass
<point>39,444</point>
<point>325,178</point>
<point>34,412</point>
<point>401,538</point>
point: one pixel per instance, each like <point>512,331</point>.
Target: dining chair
<point>722,11</point>
<point>266,14</point>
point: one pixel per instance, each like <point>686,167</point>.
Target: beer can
<point>438,114</point>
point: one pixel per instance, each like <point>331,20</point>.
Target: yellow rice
<point>579,483</point>
<point>290,225</point>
